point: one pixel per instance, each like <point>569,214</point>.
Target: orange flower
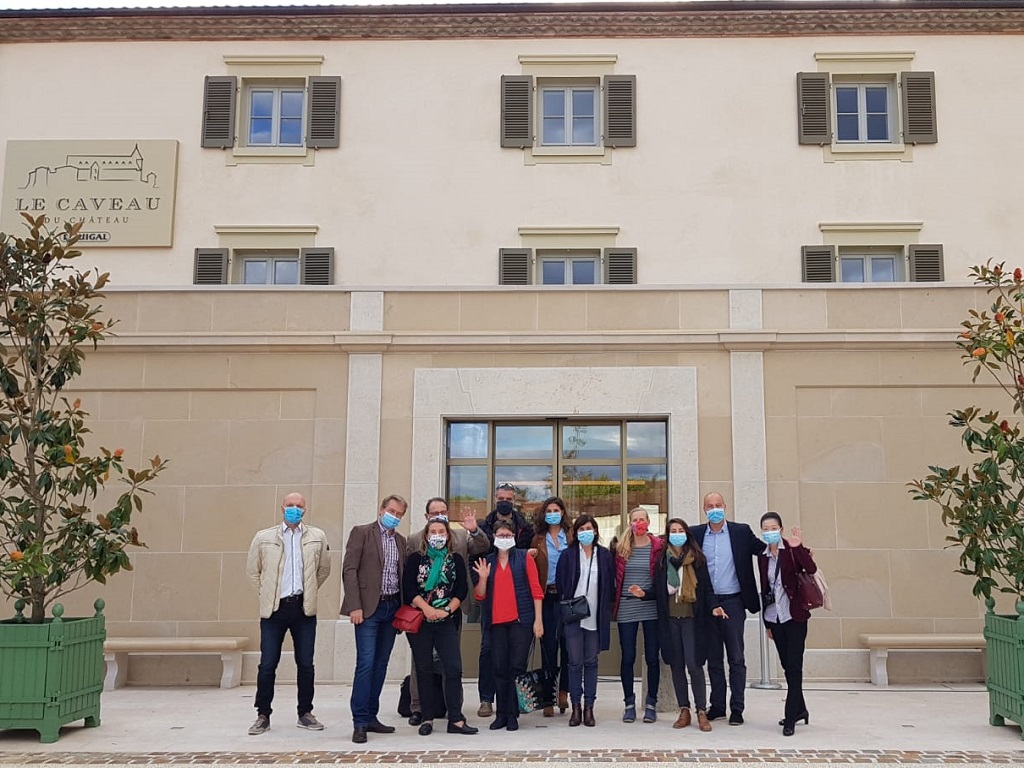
<point>1000,317</point>
<point>119,453</point>
<point>17,555</point>
<point>979,352</point>
<point>77,404</point>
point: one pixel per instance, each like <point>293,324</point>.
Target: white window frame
<point>566,89</point>
<point>272,259</point>
<point>867,255</point>
<point>277,90</point>
<point>568,257</point>
<point>861,85</point>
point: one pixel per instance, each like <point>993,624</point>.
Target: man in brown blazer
<point>371,574</point>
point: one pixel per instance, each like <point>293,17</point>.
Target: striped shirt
<point>389,584</point>
<point>638,571</point>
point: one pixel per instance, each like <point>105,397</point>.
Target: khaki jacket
<point>266,563</point>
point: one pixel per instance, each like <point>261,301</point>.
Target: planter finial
<point>990,605</point>
<point>58,611</point>
<point>1020,610</point>
<point>99,605</point>
<point>19,611</point>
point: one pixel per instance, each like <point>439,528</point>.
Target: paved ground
<point>850,723</point>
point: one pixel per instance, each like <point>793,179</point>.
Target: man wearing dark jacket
<point>505,510</point>
<point>729,548</point>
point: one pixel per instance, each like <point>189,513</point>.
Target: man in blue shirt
<point>729,548</point>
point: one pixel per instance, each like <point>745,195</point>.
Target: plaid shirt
<point>389,584</point>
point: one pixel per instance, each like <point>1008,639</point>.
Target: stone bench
<point>880,645</point>
<point>116,650</point>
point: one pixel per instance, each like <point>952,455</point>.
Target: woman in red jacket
<point>784,617</point>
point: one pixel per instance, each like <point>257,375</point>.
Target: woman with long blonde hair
<point>636,556</point>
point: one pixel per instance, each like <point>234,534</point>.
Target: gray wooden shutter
<point>211,266</point>
<point>926,264</point>
<point>219,96</point>
<point>323,116</point>
<point>620,110</point>
<point>620,266</point>
<point>818,263</point>
<point>919,122</point>
<point>317,266</point>
<point>814,111</point>
<point>514,266</point>
<point>517,111</point>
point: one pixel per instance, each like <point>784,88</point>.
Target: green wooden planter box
<point>1004,640</point>
<point>51,674</point>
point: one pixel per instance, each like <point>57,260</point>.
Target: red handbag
<point>407,619</point>
<point>808,593</point>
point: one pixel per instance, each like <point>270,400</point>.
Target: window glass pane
<point>647,486</point>
<point>467,441</point>
<point>553,103</point>
<point>468,489</point>
<point>583,130</point>
<point>595,490</point>
<point>532,482</point>
<point>262,103</point>
<point>852,270</point>
<point>291,132</point>
<point>286,272</point>
<point>526,442</point>
<point>255,271</point>
<point>876,99</point>
<point>846,100</point>
<point>554,130</point>
<point>583,103</point>
<point>847,128</point>
<point>584,272</point>
<point>552,272</point>
<point>883,270</point>
<point>878,127</point>
<point>646,439</point>
<point>580,441</point>
<point>260,131</point>
<point>291,104</point>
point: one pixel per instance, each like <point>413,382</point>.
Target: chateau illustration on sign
<point>121,191</point>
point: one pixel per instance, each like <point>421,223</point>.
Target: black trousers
<point>510,647</point>
<point>790,638</point>
<point>444,637</point>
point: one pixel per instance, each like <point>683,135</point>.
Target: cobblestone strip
<point>694,757</point>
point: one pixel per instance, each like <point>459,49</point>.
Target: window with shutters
<point>265,255</point>
<point>568,109</point>
<point>872,264</point>
<point>575,268</point>
<point>276,268</point>
<point>866,106</point>
<point>572,266</point>
<point>271,109</point>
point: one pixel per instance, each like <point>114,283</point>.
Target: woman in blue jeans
<point>585,568</point>
<point>636,556</point>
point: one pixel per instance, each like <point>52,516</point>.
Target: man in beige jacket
<point>287,564</point>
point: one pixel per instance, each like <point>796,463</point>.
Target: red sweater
<point>504,597</point>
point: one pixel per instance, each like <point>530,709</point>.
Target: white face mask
<point>505,543</point>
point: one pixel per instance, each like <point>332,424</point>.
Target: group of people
<point>549,580</point>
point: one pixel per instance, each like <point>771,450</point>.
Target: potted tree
<point>52,540</point>
<point>982,502</point>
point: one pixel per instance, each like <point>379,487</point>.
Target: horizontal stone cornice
<point>671,20</point>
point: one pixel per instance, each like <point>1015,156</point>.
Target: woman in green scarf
<point>435,582</point>
<point>686,603</point>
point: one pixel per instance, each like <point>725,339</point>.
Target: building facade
<point>623,253</point>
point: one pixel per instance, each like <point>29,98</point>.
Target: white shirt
<point>588,566</point>
<point>291,572</point>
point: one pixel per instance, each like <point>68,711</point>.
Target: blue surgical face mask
<point>677,539</point>
<point>293,515</point>
<point>390,521</point>
<point>552,518</point>
<point>437,541</point>
<point>715,515</point>
<point>771,537</point>
<point>585,537</point>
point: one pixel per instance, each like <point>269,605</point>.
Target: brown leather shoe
<point>549,711</point>
<point>588,716</point>
<point>563,701</point>
<point>576,718</point>
<point>684,718</point>
<point>702,720</point>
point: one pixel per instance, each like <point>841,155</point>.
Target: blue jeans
<point>582,647</point>
<point>287,618</point>
<point>628,632</point>
<point>375,638</point>
<point>727,635</point>
<point>553,643</point>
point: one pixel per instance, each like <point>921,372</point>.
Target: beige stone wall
<point>248,394</point>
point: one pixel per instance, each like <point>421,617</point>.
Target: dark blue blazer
<point>567,578</point>
<point>745,547</point>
